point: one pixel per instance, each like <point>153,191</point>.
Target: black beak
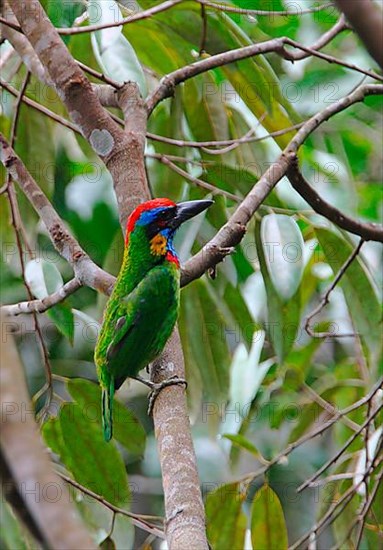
<point>187,210</point>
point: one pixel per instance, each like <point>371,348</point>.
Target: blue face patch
<point>149,216</point>
<point>169,234</point>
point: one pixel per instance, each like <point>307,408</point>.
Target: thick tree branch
<point>107,139</point>
<point>86,271</point>
<point>366,17</point>
<point>185,517</point>
<point>368,231</point>
<point>23,47</point>
<point>28,461</point>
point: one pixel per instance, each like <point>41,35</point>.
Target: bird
<point>142,310</point>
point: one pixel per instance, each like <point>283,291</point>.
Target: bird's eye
<point>165,215</point>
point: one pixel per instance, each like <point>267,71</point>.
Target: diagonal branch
<point>138,520</point>
<point>368,231</point>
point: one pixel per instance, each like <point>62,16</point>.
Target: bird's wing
<point>148,301</point>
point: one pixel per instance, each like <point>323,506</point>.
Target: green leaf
<point>63,13</point>
<point>226,521</point>
<point>283,317</point>
<point>126,428</point>
<point>239,310</point>
<point>63,318</point>
<point>35,140</point>
<point>283,251</point>
<point>206,116</point>
<point>79,442</point>
<point>112,50</point>
<point>359,290</point>
<point>268,527</point>
<point>242,442</point>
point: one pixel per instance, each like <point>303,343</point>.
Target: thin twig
<point>39,306</point>
<point>57,118</point>
<point>340,26</point>
<point>221,143</point>
<point>137,519</point>
<point>145,14</point>
<point>333,459</point>
<point>215,190</point>
<point>325,299</point>
<point>314,433</point>
<point>266,13</point>
<point>98,75</point>
<point>329,515</point>
<point>329,408</point>
<point>329,58</point>
<point>204,31</point>
<point>369,502</point>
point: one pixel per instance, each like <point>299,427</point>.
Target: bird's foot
<point>156,388</point>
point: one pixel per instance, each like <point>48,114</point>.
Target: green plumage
<point>138,320</point>
<point>141,312</point>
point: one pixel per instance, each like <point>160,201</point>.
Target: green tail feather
<point>107,411</point>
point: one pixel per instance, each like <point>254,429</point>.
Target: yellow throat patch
<point>158,245</point>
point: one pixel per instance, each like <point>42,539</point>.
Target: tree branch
<point>185,516</point>
<point>145,14</point>
<point>366,17</point>
<point>267,13</point>
<point>368,231</point>
<point>107,139</point>
<point>40,306</point>
<point>28,461</point>
<point>276,45</point>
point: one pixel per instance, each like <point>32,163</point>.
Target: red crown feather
<point>148,205</point>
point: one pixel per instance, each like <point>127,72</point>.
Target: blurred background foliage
<point>257,380</point>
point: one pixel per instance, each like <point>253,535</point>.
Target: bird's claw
<point>157,388</point>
